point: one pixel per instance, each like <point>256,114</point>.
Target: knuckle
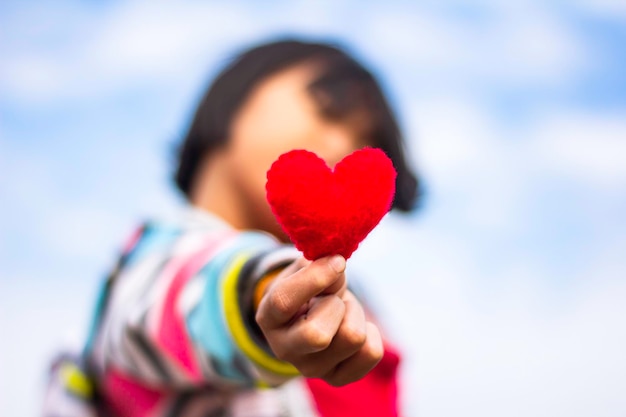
<point>261,319</point>
<point>316,338</point>
<point>279,302</point>
<point>372,353</point>
<point>281,350</point>
<point>353,336</point>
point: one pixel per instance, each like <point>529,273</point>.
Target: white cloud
<point>40,204</point>
<point>169,43</point>
<point>613,9</point>
<point>587,148</point>
<point>138,42</point>
<point>535,46</point>
<point>162,39</point>
<point>131,43</point>
<point>453,136</point>
<point>473,162</point>
<point>490,171</point>
<point>521,362</point>
<point>511,44</point>
<point>425,40</point>
<point>31,76</point>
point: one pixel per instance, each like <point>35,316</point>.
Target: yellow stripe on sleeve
<point>75,380</point>
<point>238,329</point>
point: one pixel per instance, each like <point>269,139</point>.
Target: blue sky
<point>506,290</point>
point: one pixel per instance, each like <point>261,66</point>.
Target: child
<point>216,314</point>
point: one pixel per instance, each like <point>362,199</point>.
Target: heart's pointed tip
<point>312,256</point>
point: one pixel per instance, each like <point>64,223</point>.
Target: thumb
<point>337,264</point>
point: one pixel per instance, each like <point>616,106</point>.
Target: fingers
<point>359,364</point>
<point>348,339</point>
<point>313,331</point>
<point>311,320</point>
<point>290,291</point>
<point>356,345</point>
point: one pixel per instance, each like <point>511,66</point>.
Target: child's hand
<point>311,320</point>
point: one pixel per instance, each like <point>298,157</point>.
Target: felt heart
<point>326,212</point>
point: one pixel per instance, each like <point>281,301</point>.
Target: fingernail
<point>338,263</point>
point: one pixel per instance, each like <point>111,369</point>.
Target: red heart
<point>328,212</point>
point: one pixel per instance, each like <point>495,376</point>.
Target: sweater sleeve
<point>181,313</point>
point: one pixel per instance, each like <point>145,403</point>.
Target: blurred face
<point>281,115</point>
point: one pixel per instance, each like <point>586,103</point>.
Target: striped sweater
<point>174,333</point>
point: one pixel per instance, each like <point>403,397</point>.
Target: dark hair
<point>342,88</point>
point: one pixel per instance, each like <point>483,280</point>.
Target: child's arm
<point>181,312</point>
<point>187,317</point>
